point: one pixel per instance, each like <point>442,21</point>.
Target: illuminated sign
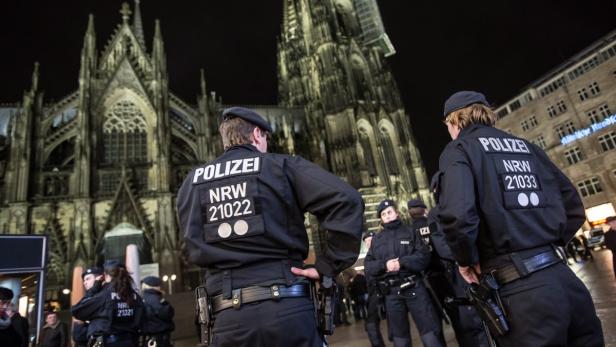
<point>587,131</point>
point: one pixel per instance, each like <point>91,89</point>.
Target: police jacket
<point>434,240</point>
<point>108,314</point>
<point>396,241</point>
<point>500,194</point>
<point>246,208</point>
<point>158,313</point>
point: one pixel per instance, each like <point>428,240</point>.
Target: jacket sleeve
<point>457,212</point>
<point>338,207</point>
<point>374,267</point>
<point>191,223</point>
<point>89,308</point>
<point>419,259</point>
<point>574,208</point>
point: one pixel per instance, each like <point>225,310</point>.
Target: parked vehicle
<point>595,237</point>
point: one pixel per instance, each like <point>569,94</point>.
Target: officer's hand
<point>311,273</point>
<point>393,265</point>
<point>470,273</point>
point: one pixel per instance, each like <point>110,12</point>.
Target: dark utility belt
<point>118,337</point>
<point>256,293</point>
<point>520,268</point>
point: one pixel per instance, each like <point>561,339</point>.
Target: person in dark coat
<point>92,282</point>
<point>21,325</point>
<point>358,289</point>
<point>242,216</point>
<point>114,313</point>
<point>505,208</point>
<point>397,257</point>
<point>10,335</point>
<point>158,322</point>
<point>610,239</point>
<point>375,305</point>
<point>53,333</point>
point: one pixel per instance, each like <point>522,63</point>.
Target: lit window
<point>582,94</point>
<point>604,110</point>
<point>552,111</point>
<point>589,187</point>
<point>565,129</point>
<point>573,155</point>
<point>539,141</point>
<point>594,89</point>
<point>608,141</point>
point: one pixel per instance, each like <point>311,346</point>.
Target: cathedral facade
<point>107,159</point>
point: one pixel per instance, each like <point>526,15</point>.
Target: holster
<point>96,341</point>
<point>324,300</point>
<point>485,298</point>
<point>204,316</point>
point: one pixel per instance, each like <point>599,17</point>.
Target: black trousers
<point>551,307</point>
<point>418,303</point>
<point>287,322</point>
<point>373,321</point>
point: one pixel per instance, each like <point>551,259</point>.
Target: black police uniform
<point>117,322</point>
<point>503,204</point>
<point>446,281</point>
<point>375,308</point>
<point>158,322</point>
<point>243,219</point>
<point>399,241</point>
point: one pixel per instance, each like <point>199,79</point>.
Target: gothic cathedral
<point>107,159</point>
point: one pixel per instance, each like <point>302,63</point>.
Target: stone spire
<point>138,25</point>
<point>158,49</point>
<point>125,12</point>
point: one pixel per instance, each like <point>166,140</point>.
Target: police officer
<point>92,278</point>
<point>114,312</point>
<point>503,206</point>
<point>397,257</point>
<point>444,279</point>
<point>243,220</point>
<point>375,304</point>
<point>158,322</point>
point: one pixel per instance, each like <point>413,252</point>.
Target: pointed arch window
<point>389,151</point>
<point>124,134</point>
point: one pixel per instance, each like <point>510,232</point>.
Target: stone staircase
<point>372,197</point>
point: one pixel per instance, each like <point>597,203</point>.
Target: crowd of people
<point>112,313</point>
<point>242,216</point>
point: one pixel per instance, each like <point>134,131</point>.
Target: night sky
<point>497,47</point>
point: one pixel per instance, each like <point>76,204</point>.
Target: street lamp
<point>169,279</point>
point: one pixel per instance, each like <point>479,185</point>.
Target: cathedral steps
<point>372,197</point>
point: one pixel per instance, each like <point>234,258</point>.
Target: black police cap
<point>6,293</point>
<point>368,234</point>
<point>247,115</point>
<point>96,271</point>
<point>385,204</point>
<point>610,218</point>
<point>112,264</point>
<point>152,281</point>
<point>415,203</point>
<point>462,99</point>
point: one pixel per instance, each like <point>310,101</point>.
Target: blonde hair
<point>235,131</point>
<point>473,114</point>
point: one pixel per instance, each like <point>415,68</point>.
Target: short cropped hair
<point>473,114</point>
<point>235,131</point>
